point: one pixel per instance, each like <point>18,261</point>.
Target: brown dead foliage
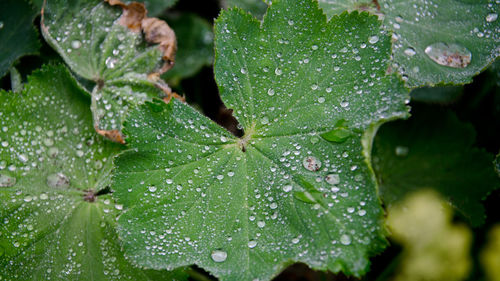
<point>155,30</point>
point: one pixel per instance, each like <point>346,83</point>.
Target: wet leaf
<point>196,46</point>
<point>102,45</point>
<point>18,36</point>
<point>433,41</point>
<point>408,156</point>
<point>245,208</point>
<point>53,166</point>
<point>434,248</point>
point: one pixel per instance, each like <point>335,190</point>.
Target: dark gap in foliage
<point>301,272</point>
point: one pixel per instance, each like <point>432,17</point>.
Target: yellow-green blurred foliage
<point>434,249</point>
<point>490,256</point>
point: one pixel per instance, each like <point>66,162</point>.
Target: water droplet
<point>345,239</point>
<point>344,104</point>
<point>491,17</point>
<point>243,71</point>
<point>110,62</point>
<point>76,44</point>
<point>218,256</point>
<point>396,26</point>
<point>314,87</point>
<point>295,240</point>
<point>7,180</point>
<point>1,24</point>
<point>23,158</point>
<point>270,92</point>
<point>152,188</point>
<point>401,150</point>
<point>58,180</point>
<point>361,213</point>
<point>373,39</point>
<point>264,120</point>
<point>261,224</point>
<point>311,163</point>
<point>332,179</point>
<point>52,152</point>
<point>44,196</point>
<point>273,205</point>
<point>287,188</point>
<point>278,71</point>
<point>451,55</point>
<point>252,244</point>
<point>410,52</point>
<point>314,47</point>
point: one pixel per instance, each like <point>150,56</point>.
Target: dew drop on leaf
<point>252,244</point>
<point>311,163</point>
<point>219,256</point>
<point>332,179</point>
<point>152,188</point>
<point>58,180</point>
<point>373,39</point>
<point>491,17</point>
<point>410,52</point>
<point>76,44</point>
<point>345,239</point>
<point>278,71</point>
<point>270,92</point>
<point>287,188</point>
<point>451,55</point>
<point>7,180</point>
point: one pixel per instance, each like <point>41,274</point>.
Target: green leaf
<point>433,41</point>
<point>53,166</point>
<point>88,34</point>
<point>255,7</point>
<point>434,248</point>
<point>18,36</point>
<point>196,46</point>
<point>434,150</point>
<point>245,208</point>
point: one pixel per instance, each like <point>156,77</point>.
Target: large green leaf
<point>88,34</point>
<point>244,208</point>
<point>196,46</point>
<point>53,166</point>
<point>434,41</point>
<point>434,150</point>
<point>18,36</point>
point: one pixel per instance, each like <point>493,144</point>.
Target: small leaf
<point>433,41</point>
<point>18,36</point>
<point>101,43</point>
<point>434,149</point>
<point>434,248</point>
<point>227,204</point>
<point>196,46</point>
<point>53,166</point>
